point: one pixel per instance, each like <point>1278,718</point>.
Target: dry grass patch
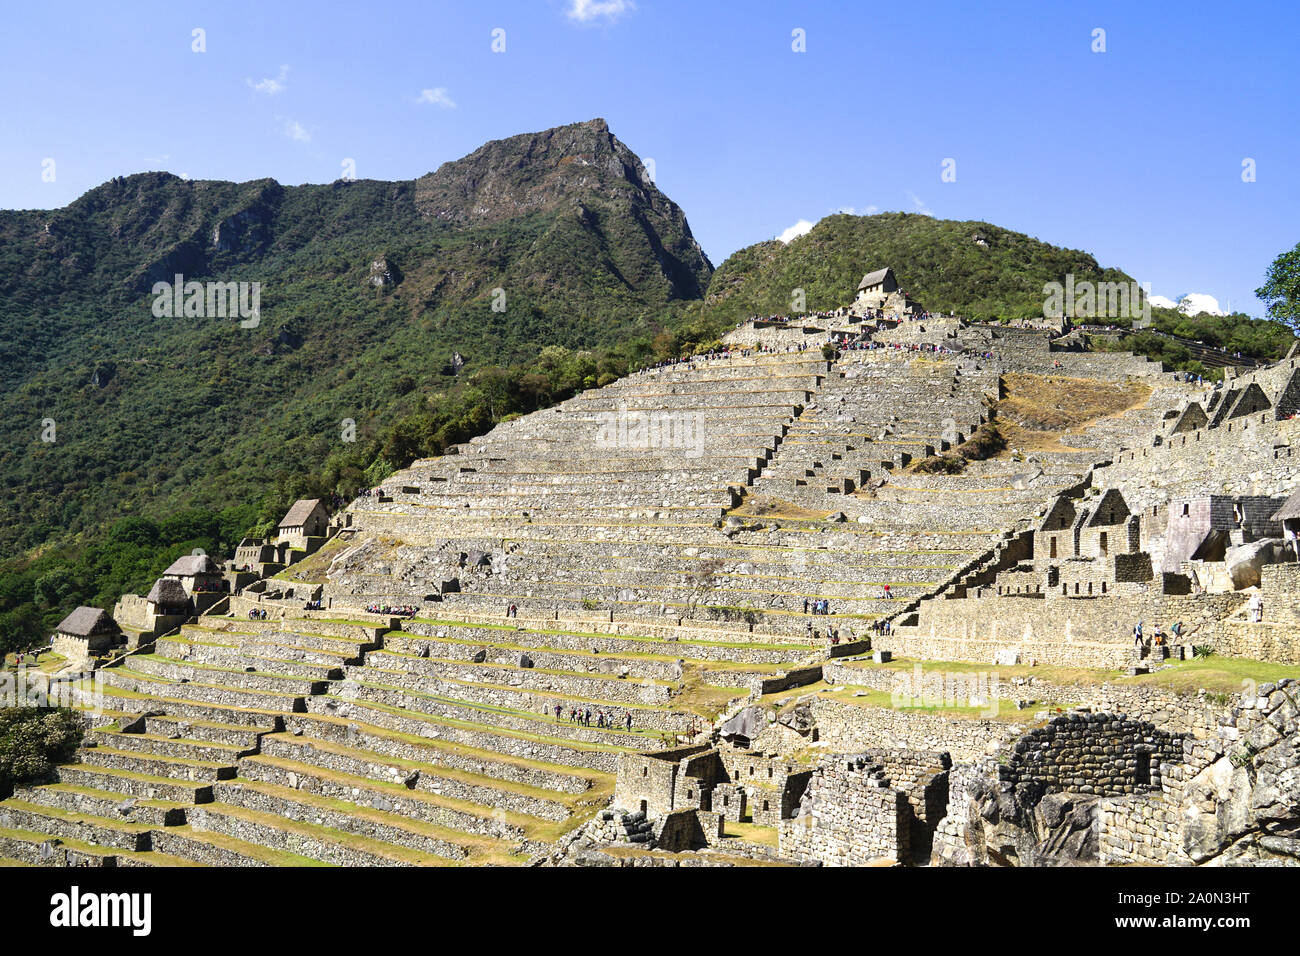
<point>763,506</point>
<point>1057,403</point>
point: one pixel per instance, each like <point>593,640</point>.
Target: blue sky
<point>1134,154</point>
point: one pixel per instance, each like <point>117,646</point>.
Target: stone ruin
<point>659,538</point>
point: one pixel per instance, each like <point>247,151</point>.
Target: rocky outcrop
<point>1242,803</point>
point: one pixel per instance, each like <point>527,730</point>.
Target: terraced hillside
<point>302,741</point>
<point>659,539</point>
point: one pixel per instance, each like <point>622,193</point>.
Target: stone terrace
<point>324,741</point>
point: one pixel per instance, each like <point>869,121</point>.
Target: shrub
<point>987,441</point>
<point>32,741</point>
<point>941,465</point>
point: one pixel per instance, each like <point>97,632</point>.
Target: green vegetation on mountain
<point>1183,342</point>
<point>976,269</point>
<point>396,319</point>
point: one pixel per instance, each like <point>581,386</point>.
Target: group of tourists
<point>1157,641</point>
<point>584,716</point>
<point>882,627</point>
<point>257,614</point>
<point>314,606</point>
<point>817,606</point>
<point>393,610</point>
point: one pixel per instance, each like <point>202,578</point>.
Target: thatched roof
<point>873,278</point>
<point>191,564</point>
<point>167,591</point>
<point>1290,508</point>
<point>85,621</point>
<point>300,512</point>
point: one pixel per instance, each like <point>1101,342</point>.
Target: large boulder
<point>747,723</point>
<point>800,717</point>
<point>1245,561</point>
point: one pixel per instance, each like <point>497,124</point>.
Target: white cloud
<point>296,131</point>
<point>584,11</point>
<point>920,205</point>
<point>1193,303</point>
<point>271,86</point>
<point>1199,303</point>
<point>800,228</point>
<point>437,97</point>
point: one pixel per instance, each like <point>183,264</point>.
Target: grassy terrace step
<point>640,692</point>
<point>167,668</point>
<point>133,784</point>
<point>303,657</point>
<point>489,764</point>
<point>433,703</point>
<point>103,803</point>
<point>229,735</point>
<point>467,819</point>
<point>297,635</point>
<point>305,839</point>
<point>502,740</point>
<point>573,642</point>
<point>152,686</point>
<point>602,591</point>
<point>133,702</point>
<point>163,745</point>
<point>598,625</point>
<point>118,834</point>
<point>457,785</point>
<point>25,847</point>
<point>214,848</point>
<point>497,715</point>
<point>378,686</point>
<point>456,653</point>
<point>349,816</point>
<point>156,765</point>
<point>240,656</point>
<point>496,598</point>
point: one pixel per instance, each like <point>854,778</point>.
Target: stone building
<point>306,520</point>
<point>86,631</point>
<point>195,572</point>
<point>168,598</point>
<point>1289,517</point>
<point>880,282</point>
<point>255,553</point>
<point>733,783</point>
<point>1204,527</point>
<point>879,292</point>
<point>876,805</point>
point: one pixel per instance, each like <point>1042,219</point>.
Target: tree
<point>1281,289</point>
<point>32,741</point>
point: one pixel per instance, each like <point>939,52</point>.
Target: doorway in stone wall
<point>1142,768</point>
